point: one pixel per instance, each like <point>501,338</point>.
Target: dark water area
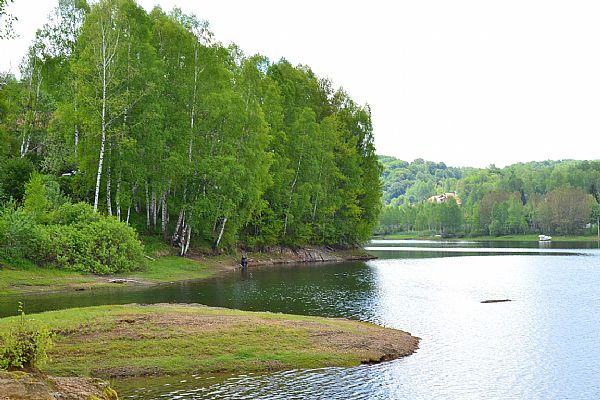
<point>544,344</point>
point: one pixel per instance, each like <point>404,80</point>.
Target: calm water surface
<point>545,344</point>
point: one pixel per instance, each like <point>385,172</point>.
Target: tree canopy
<point>146,117</point>
<point>551,197</point>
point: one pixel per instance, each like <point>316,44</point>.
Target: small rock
<point>495,301</point>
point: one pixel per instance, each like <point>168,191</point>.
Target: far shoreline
<point>163,267</point>
<point>505,238</point>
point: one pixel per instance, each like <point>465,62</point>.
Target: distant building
<point>442,198</point>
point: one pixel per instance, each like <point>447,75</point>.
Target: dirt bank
<point>36,386</point>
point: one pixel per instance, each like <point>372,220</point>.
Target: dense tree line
<point>557,197</point>
<point>147,118</point>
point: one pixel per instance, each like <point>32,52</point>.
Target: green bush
<point>14,173</point>
<point>104,246</point>
<point>24,345</point>
<point>21,236</point>
<point>78,213</point>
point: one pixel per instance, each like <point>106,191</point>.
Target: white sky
<point>469,83</point>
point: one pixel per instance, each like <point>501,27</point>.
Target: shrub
<point>78,213</point>
<point>25,344</point>
<point>21,236</point>
<point>104,246</point>
<point>14,173</point>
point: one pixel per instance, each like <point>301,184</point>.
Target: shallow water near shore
<point>542,344</point>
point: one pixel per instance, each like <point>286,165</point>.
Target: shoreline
<point>178,339</point>
<point>169,339</point>
<point>163,267</point>
<point>506,238</point>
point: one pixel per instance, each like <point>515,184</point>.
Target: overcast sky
<point>470,83</point>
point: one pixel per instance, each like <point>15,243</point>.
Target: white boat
<point>544,238</point>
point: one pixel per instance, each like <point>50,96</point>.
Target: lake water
<point>544,344</point>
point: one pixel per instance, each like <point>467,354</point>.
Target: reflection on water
<point>543,344</point>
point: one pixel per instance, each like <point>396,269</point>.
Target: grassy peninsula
<point>172,339</point>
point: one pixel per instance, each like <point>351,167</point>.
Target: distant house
<point>442,198</point>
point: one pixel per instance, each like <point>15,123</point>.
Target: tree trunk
<point>187,240</point>
<point>147,208</point>
<point>178,226</point>
<point>164,215</point>
<point>76,108</point>
<point>193,110</point>
<point>182,237</point>
<point>30,115</point>
<point>153,209</point>
<point>118,199</point>
<point>103,120</point>
<point>221,233</point>
<point>108,182</point>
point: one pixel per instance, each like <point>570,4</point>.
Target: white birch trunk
<point>103,116</point>
<point>188,236</point>
<point>76,108</point>
<point>118,199</point>
<point>31,115</point>
<point>108,182</point>
<point>147,208</point>
<point>28,113</point>
<point>164,216</point>
<point>193,110</point>
<point>106,58</point>
<point>221,233</point>
<point>153,209</point>
<point>178,226</point>
<point>182,239</point>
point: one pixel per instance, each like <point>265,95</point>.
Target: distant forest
<point>555,197</point>
<point>147,119</point>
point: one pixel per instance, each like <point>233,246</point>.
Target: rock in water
<point>495,301</point>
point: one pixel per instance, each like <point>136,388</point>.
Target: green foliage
<point>77,213</point>
<point>566,211</point>
<point>36,201</point>
<point>21,236</point>
<point>24,344</point>
<point>14,174</point>
<point>104,246</point>
<point>552,196</point>
<point>180,135</point>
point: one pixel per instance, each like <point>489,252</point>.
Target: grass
<point>23,276</point>
<point>173,268</point>
<point>17,276</point>
<point>133,340</point>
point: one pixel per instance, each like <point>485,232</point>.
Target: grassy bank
<point>26,277</point>
<point>161,266</point>
<point>133,340</point>
<point>513,238</point>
